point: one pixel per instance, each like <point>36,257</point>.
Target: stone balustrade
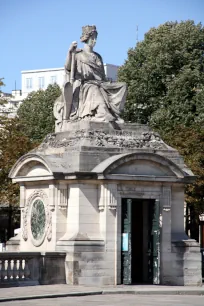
<point>31,268</point>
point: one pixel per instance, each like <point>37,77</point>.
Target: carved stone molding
<point>108,196</point>
<point>138,191</point>
<point>26,230</point>
<point>166,197</point>
<point>52,196</point>
<point>130,188</point>
<point>101,197</point>
<point>22,196</point>
<point>63,196</point>
<point>112,203</point>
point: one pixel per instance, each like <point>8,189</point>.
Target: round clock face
<point>38,219</point>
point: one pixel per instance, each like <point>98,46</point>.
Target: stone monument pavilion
<point>108,194</point>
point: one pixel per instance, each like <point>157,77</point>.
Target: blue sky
<point>36,34</point>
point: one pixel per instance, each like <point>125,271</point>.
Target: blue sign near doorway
<point>125,242</point>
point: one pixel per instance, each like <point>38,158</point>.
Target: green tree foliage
<point>13,144</point>
<point>2,100</point>
<point>165,76</point>
<point>190,143</point>
<point>36,112</point>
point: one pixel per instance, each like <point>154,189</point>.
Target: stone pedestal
<point>72,188</point>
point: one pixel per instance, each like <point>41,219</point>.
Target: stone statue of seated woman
<point>88,95</point>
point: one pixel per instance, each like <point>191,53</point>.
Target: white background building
<point>33,80</point>
<point>12,102</point>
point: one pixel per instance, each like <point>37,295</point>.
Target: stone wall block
<point>34,267</point>
<point>186,263</point>
<point>52,268</point>
<point>72,272</point>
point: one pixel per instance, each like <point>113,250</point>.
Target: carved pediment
<point>29,167</point>
<point>142,167</point>
<point>33,168</point>
<point>139,165</point>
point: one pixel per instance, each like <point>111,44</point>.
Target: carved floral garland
<point>99,138</point>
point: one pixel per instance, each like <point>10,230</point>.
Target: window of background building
<point>28,83</point>
<point>41,82</point>
<point>53,79</point>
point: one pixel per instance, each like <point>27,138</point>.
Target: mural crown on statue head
<point>87,31</point>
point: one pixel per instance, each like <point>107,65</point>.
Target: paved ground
<point>110,300</point>
<point>67,289</point>
<point>107,295</point>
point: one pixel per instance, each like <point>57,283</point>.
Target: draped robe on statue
<point>93,96</point>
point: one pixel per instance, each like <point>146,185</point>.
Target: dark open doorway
<point>140,228</point>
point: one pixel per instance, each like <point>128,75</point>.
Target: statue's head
<point>89,35</point>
